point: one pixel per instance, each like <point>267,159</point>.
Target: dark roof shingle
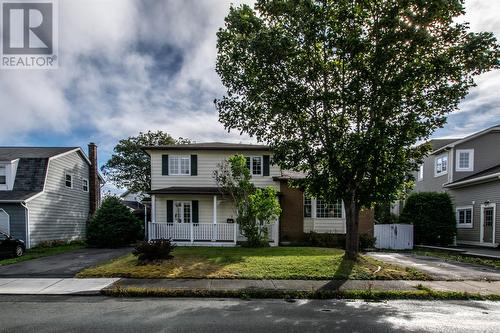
<point>12,153</point>
<point>209,146</point>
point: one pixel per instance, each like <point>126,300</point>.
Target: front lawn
<point>261,263</point>
<point>38,252</point>
<point>450,256</point>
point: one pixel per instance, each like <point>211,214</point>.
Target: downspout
<point>27,219</point>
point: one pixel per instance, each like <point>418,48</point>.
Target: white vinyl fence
<point>394,236</point>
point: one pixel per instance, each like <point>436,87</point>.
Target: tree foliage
<point>255,208</point>
<point>343,89</point>
<point>113,225</point>
<point>130,167</point>
<point>432,217</point>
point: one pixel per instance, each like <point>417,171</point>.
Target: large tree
<point>344,89</point>
<point>130,167</point>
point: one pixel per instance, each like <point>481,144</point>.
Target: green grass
<point>38,252</point>
<point>420,294</point>
<point>451,256</point>
<point>260,263</point>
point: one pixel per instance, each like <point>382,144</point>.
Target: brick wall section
<point>291,221</point>
<point>366,218</point>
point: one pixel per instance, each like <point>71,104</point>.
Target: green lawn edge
<point>426,294</point>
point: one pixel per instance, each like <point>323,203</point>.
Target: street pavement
<point>102,314</point>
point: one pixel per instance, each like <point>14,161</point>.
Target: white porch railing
<point>202,232</point>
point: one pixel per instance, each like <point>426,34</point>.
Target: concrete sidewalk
<point>476,287</point>
<point>71,286</point>
<point>51,286</point>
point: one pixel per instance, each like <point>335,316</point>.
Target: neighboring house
<point>469,170</point>
<point>133,200</point>
<point>47,193</point>
<point>188,207</point>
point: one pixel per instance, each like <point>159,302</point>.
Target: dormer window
<point>441,165</point>
<point>3,175</point>
<point>465,160</point>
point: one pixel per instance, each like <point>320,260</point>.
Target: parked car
<point>10,246</point>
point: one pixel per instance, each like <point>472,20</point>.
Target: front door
<point>182,211</point>
<point>488,223</point>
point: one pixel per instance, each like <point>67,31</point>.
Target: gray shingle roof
<point>210,146</point>
<point>30,178</point>
<point>186,190</point>
<point>472,178</point>
<point>12,153</point>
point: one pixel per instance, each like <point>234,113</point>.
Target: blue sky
<point>128,66</point>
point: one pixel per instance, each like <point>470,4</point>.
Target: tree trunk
<point>352,226</point>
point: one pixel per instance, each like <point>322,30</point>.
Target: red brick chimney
<point>94,184</point>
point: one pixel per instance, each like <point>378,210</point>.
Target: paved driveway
<point>439,269</point>
<point>61,265</point>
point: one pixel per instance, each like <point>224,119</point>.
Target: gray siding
<point>477,194</point>
<point>17,219</point>
<point>430,183</point>
<point>486,154</point>
<point>61,213</point>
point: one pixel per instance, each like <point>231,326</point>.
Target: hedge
<point>432,216</point>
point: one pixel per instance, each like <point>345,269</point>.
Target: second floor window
<point>3,175</point>
<point>465,160</point>
<point>69,180</point>
<point>85,185</point>
<point>441,165</point>
<point>179,165</point>
<point>254,163</point>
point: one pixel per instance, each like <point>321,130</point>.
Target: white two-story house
<point>188,207</point>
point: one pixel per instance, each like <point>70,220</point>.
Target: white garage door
<point>4,222</point>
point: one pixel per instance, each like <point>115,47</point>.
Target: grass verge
<point>43,251</point>
<point>450,256</point>
<point>422,294</point>
<point>261,263</point>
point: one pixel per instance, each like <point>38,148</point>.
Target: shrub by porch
<point>256,263</point>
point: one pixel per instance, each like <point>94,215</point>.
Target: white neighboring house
<point>187,205</point>
<point>47,193</point>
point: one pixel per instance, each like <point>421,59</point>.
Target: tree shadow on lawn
<point>341,275</point>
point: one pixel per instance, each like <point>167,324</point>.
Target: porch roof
<point>187,190</point>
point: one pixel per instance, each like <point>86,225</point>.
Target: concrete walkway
<point>45,286</point>
<point>480,287</point>
<point>438,268</point>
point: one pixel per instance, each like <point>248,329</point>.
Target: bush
<point>366,241</point>
<point>154,250</point>
<point>113,225</point>
<point>325,240</point>
<point>432,216</point>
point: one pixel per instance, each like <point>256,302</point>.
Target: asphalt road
<point>102,314</point>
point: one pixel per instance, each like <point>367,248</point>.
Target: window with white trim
<point>328,210</point>
<point>441,165</point>
<point>85,185</point>
<point>465,160</point>
<point>3,175</point>
<point>420,172</point>
<point>68,179</point>
<point>254,164</point>
<point>307,207</point>
<point>464,217</point>
<point>179,165</point>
